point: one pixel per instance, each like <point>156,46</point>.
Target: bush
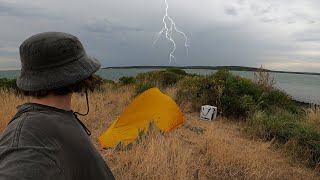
<point>162,79</point>
<point>277,99</point>
<point>143,87</point>
<point>98,81</point>
<point>235,89</point>
<point>126,80</point>
<point>247,104</point>
<point>233,95</point>
<point>108,81</point>
<point>9,84</point>
<point>177,71</point>
<point>286,127</point>
<point>197,90</point>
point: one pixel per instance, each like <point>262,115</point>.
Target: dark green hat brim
<point>58,77</point>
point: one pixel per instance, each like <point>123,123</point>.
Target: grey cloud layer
<point>119,33</point>
<point>25,11</point>
<point>106,26</point>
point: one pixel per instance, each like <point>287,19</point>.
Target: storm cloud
<point>281,35</point>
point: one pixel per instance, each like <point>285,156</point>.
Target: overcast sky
<point>278,34</point>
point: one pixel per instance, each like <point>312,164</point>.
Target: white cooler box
<point>208,112</point>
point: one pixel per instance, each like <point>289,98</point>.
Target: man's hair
<point>80,87</point>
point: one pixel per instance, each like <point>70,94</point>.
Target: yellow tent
<point>151,105</point>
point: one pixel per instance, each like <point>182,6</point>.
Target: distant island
<point>232,68</point>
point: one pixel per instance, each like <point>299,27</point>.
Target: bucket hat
<point>53,60</point>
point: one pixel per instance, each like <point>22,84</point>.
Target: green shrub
<point>177,71</point>
<point>127,80</point>
<point>108,81</point>
<point>193,75</point>
<point>277,99</point>
<point>221,75</point>
<point>9,84</point>
<point>197,90</point>
<point>247,104</point>
<point>235,89</point>
<point>140,88</point>
<point>98,81</point>
<point>284,127</point>
<point>233,95</point>
<point>162,79</point>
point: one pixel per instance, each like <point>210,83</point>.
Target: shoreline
<point>231,68</point>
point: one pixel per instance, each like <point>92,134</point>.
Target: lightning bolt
<point>168,30</point>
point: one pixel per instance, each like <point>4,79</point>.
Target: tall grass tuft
<point>313,115</point>
<point>9,100</point>
<point>264,79</point>
<point>301,138</point>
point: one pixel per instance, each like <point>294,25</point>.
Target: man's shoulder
<point>22,143</point>
<point>13,130</point>
<point>29,129</point>
<point>40,163</point>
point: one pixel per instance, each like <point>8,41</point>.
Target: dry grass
<point>263,78</point>
<point>313,115</point>
<point>8,104</point>
<point>222,151</point>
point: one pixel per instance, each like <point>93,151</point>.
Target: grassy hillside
<point>221,150</point>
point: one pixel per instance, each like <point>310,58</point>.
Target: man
<point>45,139</point>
